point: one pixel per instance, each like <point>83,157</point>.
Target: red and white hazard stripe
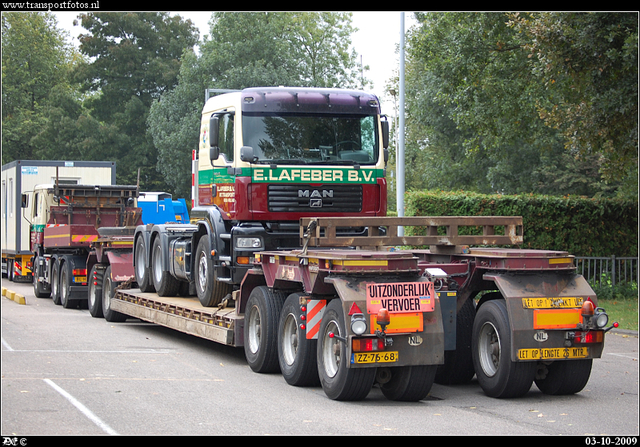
<point>315,310</point>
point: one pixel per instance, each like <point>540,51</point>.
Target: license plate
<point>375,357</point>
<point>81,279</point>
<point>553,353</point>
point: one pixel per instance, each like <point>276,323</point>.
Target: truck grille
<point>315,199</point>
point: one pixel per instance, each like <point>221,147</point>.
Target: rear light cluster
<point>588,337</point>
<point>367,344</point>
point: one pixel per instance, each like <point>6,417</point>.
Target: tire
<point>163,282</point>
<point>458,365</point>
<point>338,381</point>
<point>55,282</point>
<point>210,292</point>
<point>94,295</point>
<point>108,292</point>
<point>262,315</point>
<point>65,287</point>
<point>497,374</point>
<point>296,354</point>
<point>39,290</point>
<point>409,383</point>
<point>141,269</point>
<point>565,377</point>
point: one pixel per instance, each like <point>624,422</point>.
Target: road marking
<point>84,410</point>
<point>6,345</point>
<point>633,356</point>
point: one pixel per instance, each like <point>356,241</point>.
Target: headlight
<point>600,317</point>
<point>249,242</point>
<point>358,324</point>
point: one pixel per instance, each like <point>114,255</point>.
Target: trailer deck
<point>184,314</point>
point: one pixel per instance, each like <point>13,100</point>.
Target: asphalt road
<point>66,373</point>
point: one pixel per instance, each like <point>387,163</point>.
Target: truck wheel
<point>39,289</point>
<point>65,287</point>
<point>491,347</point>
<point>409,383</point>
<point>163,282</point>
<point>458,366</point>
<point>261,329</point>
<point>94,297</point>
<point>296,354</point>
<point>142,271</point>
<point>338,381</point>
<point>210,292</point>
<point>565,377</point>
<point>108,292</point>
<point>55,282</point>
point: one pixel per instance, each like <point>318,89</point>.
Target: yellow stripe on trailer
<point>84,237</point>
<point>361,263</point>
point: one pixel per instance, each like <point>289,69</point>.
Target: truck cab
<point>268,156</point>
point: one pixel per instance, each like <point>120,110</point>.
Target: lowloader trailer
<point>347,312</point>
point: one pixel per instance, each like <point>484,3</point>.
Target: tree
<point>35,62</point>
<point>475,101</point>
<point>248,49</point>
<point>588,63</point>
<point>134,59</point>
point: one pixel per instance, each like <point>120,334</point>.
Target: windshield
<point>311,139</point>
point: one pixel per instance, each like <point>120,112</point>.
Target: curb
<point>20,299</point>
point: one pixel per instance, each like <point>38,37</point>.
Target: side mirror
<point>214,150</point>
<point>24,201</point>
<point>385,133</point>
<point>246,154</point>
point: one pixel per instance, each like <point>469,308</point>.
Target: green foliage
<point>248,49</point>
<point>588,63</point>
<point>135,58</point>
<point>581,226</point>
<point>35,58</point>
<point>513,103</point>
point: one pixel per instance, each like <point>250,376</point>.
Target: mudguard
<point>543,307</point>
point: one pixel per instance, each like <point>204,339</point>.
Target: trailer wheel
<point>497,374</point>
<point>55,282</point>
<point>296,354</point>
<point>565,377</point>
<point>458,365</point>
<point>39,289</point>
<point>108,292</point>
<point>338,381</point>
<point>65,287</point>
<point>94,297</point>
<point>142,271</point>
<point>163,282</point>
<point>409,383</point>
<point>210,292</point>
<point>261,329</point>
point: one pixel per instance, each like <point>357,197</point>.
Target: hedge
<point>582,226</point>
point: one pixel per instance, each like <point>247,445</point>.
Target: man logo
<point>315,196</point>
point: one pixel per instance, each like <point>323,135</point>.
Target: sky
<point>376,41</point>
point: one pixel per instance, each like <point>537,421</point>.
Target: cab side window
<point>225,135</point>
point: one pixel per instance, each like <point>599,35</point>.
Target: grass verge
<point>620,302</point>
